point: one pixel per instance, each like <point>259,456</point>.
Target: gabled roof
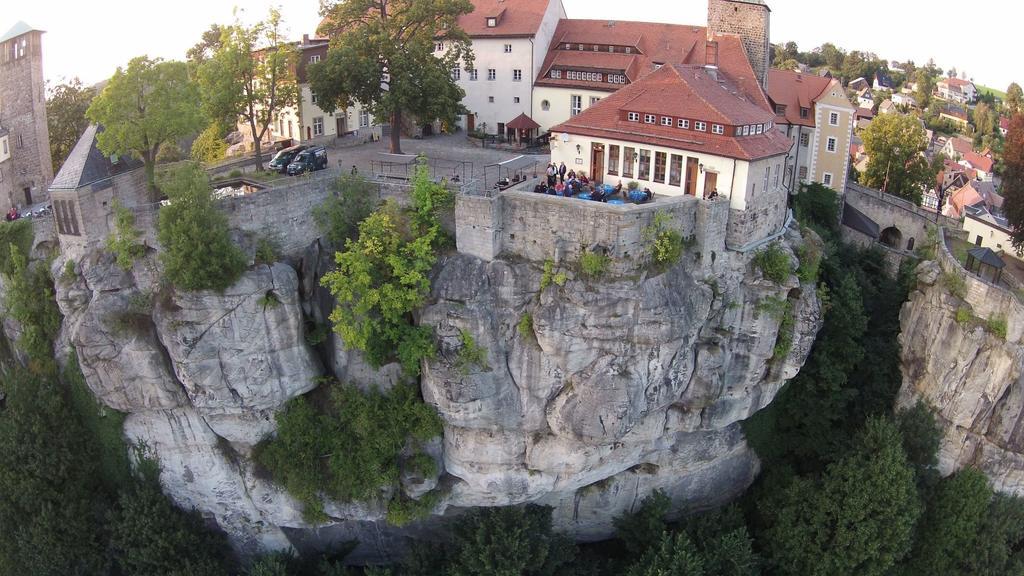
<point>516,18</point>
<point>87,165</point>
<point>979,162</point>
<point>961,145</point>
<point>794,91</point>
<point>652,44</point>
<point>883,79</point>
<point>19,29</point>
<point>522,122</point>
<point>987,256</point>
<point>682,92</point>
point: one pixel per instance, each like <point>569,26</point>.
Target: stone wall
<point>751,21</point>
<point>764,215</point>
<point>889,211</point>
<point>539,227</point>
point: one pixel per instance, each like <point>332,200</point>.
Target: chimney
<point>305,39</point>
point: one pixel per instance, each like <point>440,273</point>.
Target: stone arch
<point>891,237</point>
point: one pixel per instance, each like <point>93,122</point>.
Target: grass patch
<point>964,316</point>
<point>270,300</point>
<point>774,263</point>
<point>810,262</point>
<point>550,276</point>
<point>773,306</point>
<point>997,326</point>
<point>268,250</point>
<point>594,265</point>
<point>986,90</point>
<point>525,325</point>
<point>666,244</point>
<point>955,283</point>
<point>470,354</point>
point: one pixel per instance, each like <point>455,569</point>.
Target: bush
<point>168,153</point>
<point>964,316</point>
<point>429,199</point>
<point>268,250</point>
<point>17,234</point>
<point>349,451</point>
<point>31,302</point>
<point>784,340</point>
<point>236,173</point>
<point>210,146</point>
<point>593,264</point>
<point>810,262</point>
<point>955,283</point>
<point>198,253</point>
<point>817,206</point>
<point>525,325</point>
<point>470,354</point>
<point>997,326</point>
<point>123,242</point>
<point>353,200</point>
<point>382,277</point>
<point>403,510</point>
<point>69,274</point>
<point>666,244</point>
<point>774,263</point>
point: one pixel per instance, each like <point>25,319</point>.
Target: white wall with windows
<point>312,123</point>
<point>663,170</point>
<point>552,106</point>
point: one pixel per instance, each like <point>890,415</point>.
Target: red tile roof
<point>979,162</point>
<point>682,91</point>
<point>795,90</point>
<point>651,44</point>
<point>958,82</point>
<point>516,18</point>
<point>962,146</point>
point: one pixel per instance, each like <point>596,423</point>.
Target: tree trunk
<point>396,131</point>
<point>150,166</point>
<point>257,146</point>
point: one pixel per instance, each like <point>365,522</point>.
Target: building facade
<point>818,119</point>
<point>510,40</point>
<point>26,168</point>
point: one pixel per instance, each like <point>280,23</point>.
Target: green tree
<point>251,76</point>
<point>66,105</point>
<point>145,105</point>
<point>208,45</point>
<point>123,242</point>
<point>51,498</point>
<point>210,146</point>
<point>1014,98</point>
<point>511,541</point>
<point>857,520</point>
<point>31,303</point>
<point>833,56</point>
<point>149,535</point>
<point>672,555</point>
<point>897,165</point>
<point>998,548</point>
<point>950,525</point>
<point>643,528</point>
<point>382,55</point>
<point>921,438</point>
<point>198,253</point>
<point>1013,180</point>
<point>925,87</point>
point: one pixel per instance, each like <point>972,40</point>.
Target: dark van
<point>279,163</point>
<point>309,160</point>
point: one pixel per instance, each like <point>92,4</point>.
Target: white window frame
<point>490,99</point>
<point>760,128</point>
<point>556,74</point>
<point>545,105</point>
<point>312,97</point>
<point>364,118</point>
<point>492,22</point>
<point>318,126</point>
<point>456,73</point>
<point>805,140</point>
<point>832,144</point>
<point>508,48</point>
<point>492,74</point>
<point>717,129</point>
<point>515,99</point>
<point>683,123</point>
<point>314,58</point>
<point>833,118</point>
<point>666,121</point>
<point>575,104</point>
<point>438,46</point>
<point>473,75</point>
<point>633,116</point>
<point>650,118</point>
<point>827,179</point>
<point>594,100</point>
<point>517,75</point>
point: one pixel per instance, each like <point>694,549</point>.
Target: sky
<point>91,39</point>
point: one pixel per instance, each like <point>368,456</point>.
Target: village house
<point>865,98</point>
<point>904,99</point>
<point>957,90</point>
<point>888,107</point>
<point>1004,125</point>
<point>982,165</point>
<point>681,130</point>
<point>883,82</point>
<point>858,84</point>
<point>957,146</point>
<point>814,113</point>
<point>974,193</point>
<point>989,229</point>
<point>956,116</point>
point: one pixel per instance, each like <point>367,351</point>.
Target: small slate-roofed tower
<point>750,20</point>
<point>23,116</point>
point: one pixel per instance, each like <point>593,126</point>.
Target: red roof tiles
<point>518,18</point>
<point>682,92</point>
<point>979,162</point>
<point>794,91</point>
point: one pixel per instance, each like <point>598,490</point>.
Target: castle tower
<point>28,170</point>
<point>750,20</point>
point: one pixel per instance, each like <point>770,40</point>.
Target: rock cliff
<point>593,393</point>
<point>968,370</point>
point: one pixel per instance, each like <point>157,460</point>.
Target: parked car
<point>309,160</point>
<point>279,163</point>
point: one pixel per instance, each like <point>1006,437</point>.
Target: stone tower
<point>750,20</point>
<point>28,170</point>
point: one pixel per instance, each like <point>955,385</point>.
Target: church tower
<point>750,20</point>
<point>28,170</point>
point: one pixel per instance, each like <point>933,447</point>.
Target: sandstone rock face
<point>592,394</point>
<point>969,374</point>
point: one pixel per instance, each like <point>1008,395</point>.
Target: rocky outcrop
<point>592,393</point>
<point>969,372</point>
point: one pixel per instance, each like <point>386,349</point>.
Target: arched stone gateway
<point>892,237</point>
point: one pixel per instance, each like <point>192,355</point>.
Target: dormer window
<point>492,22</point>
<point>634,116</point>
<point>717,129</point>
<point>700,126</point>
<point>780,109</point>
<point>629,50</point>
<point>684,124</point>
<point>805,112</point>
<point>649,118</point>
<point>666,121</point>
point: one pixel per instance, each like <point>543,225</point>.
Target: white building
<point>510,40</point>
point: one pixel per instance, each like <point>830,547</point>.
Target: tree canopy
<point>895,145</point>
<point>382,55</point>
<point>145,105</point>
<point>250,75</point>
<point>65,116</point>
<point>1013,179</point>
<point>198,253</point>
<point>1014,98</point>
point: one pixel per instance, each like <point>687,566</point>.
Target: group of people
<point>573,185</point>
<point>13,214</point>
